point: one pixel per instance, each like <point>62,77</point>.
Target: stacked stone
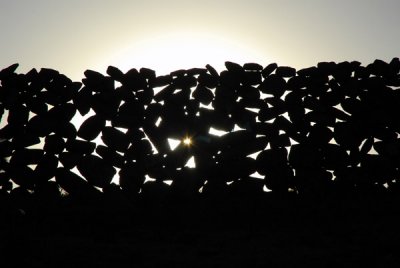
<point>333,127</point>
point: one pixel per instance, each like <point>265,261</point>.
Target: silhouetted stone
<point>91,128</point>
<point>285,71</point>
<point>249,93</point>
<point>69,160</point>
<point>203,94</point>
<point>212,71</point>
<point>304,156</point>
<point>46,168</point>
<point>24,138</point>
<point>334,157</point>
<point>66,130</point>
<point>96,170</point>
<point>80,147</point>
<point>251,66</point>
<point>105,104</point>
<point>184,81</point>
<point>6,149</point>
<point>22,175</point>
<point>354,105</point>
<point>208,80</point>
<point>74,184</point>
<point>269,69</point>
<point>274,85</point>
<point>18,114</point>
<point>4,73</point>
<point>26,156</point>
<point>134,80</point>
<point>115,139</point>
<point>110,155</point>
<point>83,100</point>
<point>234,68</point>
<point>131,177</point>
<point>115,73</point>
<point>161,81</point>
<point>272,159</point>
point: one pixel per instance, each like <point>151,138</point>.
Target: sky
<point>75,35</point>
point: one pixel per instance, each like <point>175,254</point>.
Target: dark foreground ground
<point>267,231</point>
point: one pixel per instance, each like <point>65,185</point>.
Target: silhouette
<point>324,141</point>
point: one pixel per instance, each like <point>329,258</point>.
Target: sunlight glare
<point>166,52</point>
<point>187,141</point>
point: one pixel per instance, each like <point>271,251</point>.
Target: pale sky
<point>74,35</point>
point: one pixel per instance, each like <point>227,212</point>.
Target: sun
<point>166,52</point>
<point>187,141</point>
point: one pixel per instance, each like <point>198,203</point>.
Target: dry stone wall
<point>329,128</point>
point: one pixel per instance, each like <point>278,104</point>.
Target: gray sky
<point>75,35</point>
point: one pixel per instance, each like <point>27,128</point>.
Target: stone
<point>6,72</point>
<point>69,160</point>
<point>131,177</point>
<point>91,128</point>
<point>74,184</point>
<point>115,139</point>
<point>285,71</point>
<point>207,80</point>
<point>46,168</point>
<point>26,157</point>
<point>234,67</point>
<point>212,71</point>
<point>111,156</point>
<point>274,85</point>
<point>115,73</point>
<point>251,66</point>
<point>96,170</point>
<point>269,69</point>
<point>203,95</point>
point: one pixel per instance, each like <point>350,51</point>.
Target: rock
<point>115,73</point>
<point>269,69</point>
<point>234,67</point>
<point>203,95</point>
<point>80,147</point>
<point>251,78</point>
<point>285,71</point>
<point>24,139</point>
<point>147,73</point>
<point>18,115</point>
<point>83,100</point>
<point>74,184</point>
<point>255,67</point>
<point>274,85</point>
<point>161,81</point>
<point>134,80</point>
<point>22,175</point>
<point>91,128</point>
<point>6,72</point>
<point>67,130</point>
<point>131,177</point>
<point>272,159</point>
<point>115,139</point>
<point>26,156</point>
<point>304,156</point>
<point>320,135</point>
<point>212,71</point>
<point>69,160</point>
<point>96,170</point>
<point>105,104</point>
<point>46,168</point>
<point>207,80</point>
<point>110,156</point>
